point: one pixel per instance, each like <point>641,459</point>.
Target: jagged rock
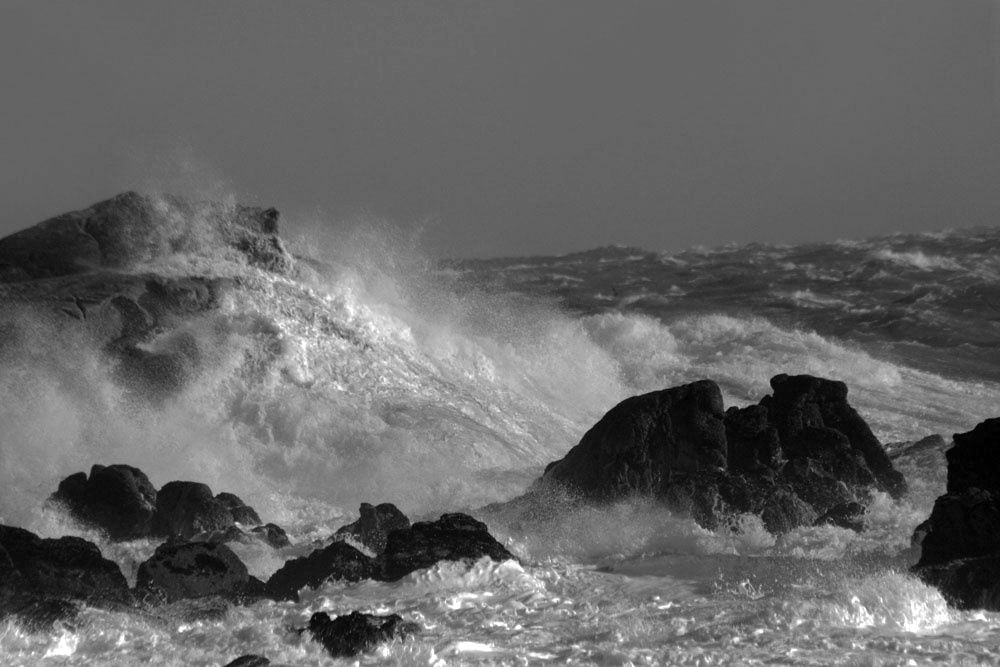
<point>967,583</point>
<point>184,509</point>
<point>644,440</point>
<point>796,455</point>
<point>118,499</point>
<point>131,228</point>
<point>354,633</point>
<point>846,515</point>
<point>241,512</point>
<point>803,402</point>
<point>65,568</point>
<point>962,525</point>
<point>249,660</point>
<point>374,525</point>
<point>195,570</point>
<point>335,561</point>
<point>453,537</point>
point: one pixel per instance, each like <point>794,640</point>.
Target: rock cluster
<point>121,501</point>
<point>960,549</point>
<point>354,633</point>
<point>800,456</point>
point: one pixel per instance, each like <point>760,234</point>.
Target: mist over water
<point>369,373</point>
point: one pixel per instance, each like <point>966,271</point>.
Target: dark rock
<point>39,613</point>
<point>453,537</point>
<point>374,525</point>
<point>962,525</point>
<point>967,583</point>
<point>644,440</point>
<point>65,568</point>
<point>803,402</point>
<point>752,439</point>
<point>194,570</point>
<point>354,633</point>
<point>336,561</point>
<point>242,513</point>
<point>784,510</point>
<point>846,515</point>
<point>815,484</point>
<point>272,534</point>
<point>131,228</point>
<point>974,461</point>
<point>184,509</point>
<point>118,499</point>
<point>249,660</point>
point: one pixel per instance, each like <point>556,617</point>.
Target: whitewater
<point>370,373</point>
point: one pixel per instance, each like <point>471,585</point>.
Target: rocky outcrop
<point>195,570</point>
<point>960,545</point>
<point>118,499</point>
<point>67,568</point>
<point>453,537</point>
<point>121,501</point>
<point>792,459</point>
<point>131,228</point>
<point>354,633</point>
<point>338,561</point>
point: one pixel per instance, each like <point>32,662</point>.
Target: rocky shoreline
<point>802,456</point>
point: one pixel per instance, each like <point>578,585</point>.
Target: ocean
<point>373,374</point>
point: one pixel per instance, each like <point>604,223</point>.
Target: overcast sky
<point>515,127</point>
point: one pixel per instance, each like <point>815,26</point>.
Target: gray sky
<point>515,127</point>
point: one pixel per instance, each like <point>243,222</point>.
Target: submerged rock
<point>336,561</point>
<point>795,456</point>
<point>249,660</point>
<point>374,525</point>
<point>846,515</point>
<point>64,568</point>
<point>453,537</point>
<point>118,499</point>
<point>195,570</point>
<point>960,542</point>
<point>354,633</point>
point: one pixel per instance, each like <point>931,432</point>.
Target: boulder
<point>347,636</point>
<point>453,537</point>
<point>184,509</point>
<point>336,561</point>
<point>195,570</point>
<point>974,460</point>
<point>272,534</point>
<point>793,457</point>
<point>64,568</point>
<point>118,499</point>
<point>967,583</point>
<point>249,660</point>
<point>645,440</point>
<point>374,525</point>
<point>241,512</point>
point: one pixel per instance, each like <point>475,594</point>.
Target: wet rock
<point>131,228</point>
<point>64,568</point>
<point>846,515</point>
<point>335,561</point>
<point>453,537</point>
<point>796,455</point>
<point>241,512</point>
<point>118,499</point>
<point>962,525</point>
<point>195,570</point>
<point>347,636</point>
<point>273,535</point>
<point>249,660</point>
<point>270,534</point>
<point>39,614</point>
<point>967,583</point>
<point>644,440</point>
<point>184,509</point>
<point>374,525</point>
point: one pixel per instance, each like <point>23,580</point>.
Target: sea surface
<point>448,386</point>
